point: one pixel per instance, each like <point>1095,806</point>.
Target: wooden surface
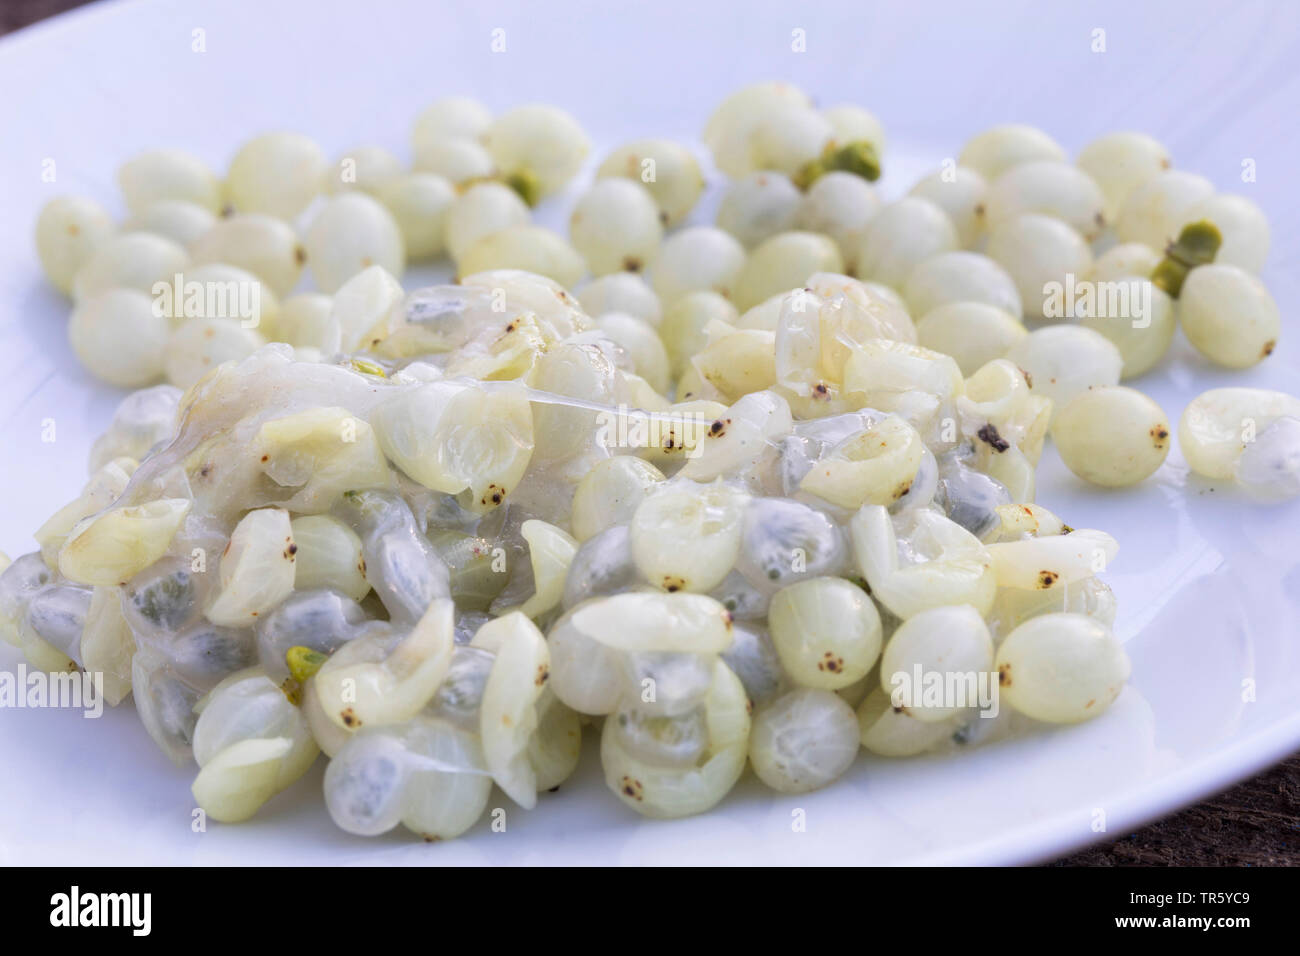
<point>19,13</point>
<point>1254,824</point>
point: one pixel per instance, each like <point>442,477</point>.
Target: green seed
<point>1169,276</point>
<point>809,174</point>
<point>292,691</point>
<point>860,159</point>
<point>1196,245</point>
<point>527,185</point>
<point>304,662</point>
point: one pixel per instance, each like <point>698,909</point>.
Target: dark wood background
<point>1254,824</point>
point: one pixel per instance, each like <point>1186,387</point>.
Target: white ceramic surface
<point>1208,584</point>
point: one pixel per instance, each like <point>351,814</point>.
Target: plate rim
<point>1042,841</point>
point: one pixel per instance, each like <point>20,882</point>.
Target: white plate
<point>1208,584</point>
